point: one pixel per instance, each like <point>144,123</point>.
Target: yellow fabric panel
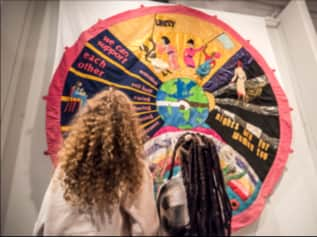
<point>135,32</point>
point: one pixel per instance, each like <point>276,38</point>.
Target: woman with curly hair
<point>102,185</point>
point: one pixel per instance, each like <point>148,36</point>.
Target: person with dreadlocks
<point>102,185</point>
<point>195,203</point>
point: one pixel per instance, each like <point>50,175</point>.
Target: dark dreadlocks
<point>209,207</point>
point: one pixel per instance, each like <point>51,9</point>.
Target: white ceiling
<point>256,7</point>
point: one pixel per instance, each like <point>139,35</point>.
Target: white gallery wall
<point>25,171</point>
<point>52,25</point>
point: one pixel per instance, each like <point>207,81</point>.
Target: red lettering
<point>86,55</point>
<point>143,108</point>
<point>80,65</point>
<point>123,61</point>
<point>152,126</point>
<point>144,118</point>
<point>141,98</point>
<point>150,78</point>
<point>97,60</point>
<point>109,50</point>
<point>122,51</point>
<point>135,85</point>
<point>148,90</point>
<point>102,64</point>
<point>88,67</point>
<point>108,40</point>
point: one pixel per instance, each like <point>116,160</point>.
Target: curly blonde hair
<point>101,157</point>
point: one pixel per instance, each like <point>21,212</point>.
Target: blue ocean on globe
<point>186,90</point>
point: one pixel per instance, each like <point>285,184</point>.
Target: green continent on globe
<point>197,95</point>
<point>182,103</point>
<point>169,87</point>
<point>186,114</point>
<point>169,98</point>
<point>169,110</point>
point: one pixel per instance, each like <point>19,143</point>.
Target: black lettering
<point>166,23</point>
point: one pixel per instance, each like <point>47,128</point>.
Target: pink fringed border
<point>54,138</point>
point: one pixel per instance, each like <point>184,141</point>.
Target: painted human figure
<point>170,51</point>
<point>240,77</point>
<point>190,52</point>
<point>76,92</point>
<point>210,62</point>
<point>81,95</point>
<point>158,64</point>
<point>70,106</point>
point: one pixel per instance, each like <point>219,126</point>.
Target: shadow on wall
<point>13,166</point>
<point>41,167</point>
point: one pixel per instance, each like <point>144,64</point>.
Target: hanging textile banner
<point>184,71</point>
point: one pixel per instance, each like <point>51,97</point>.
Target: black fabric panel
<point>261,167</point>
<point>269,124</point>
<point>267,97</point>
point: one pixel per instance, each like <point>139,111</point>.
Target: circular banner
<point>184,71</point>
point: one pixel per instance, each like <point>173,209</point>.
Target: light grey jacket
<point>131,217</point>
